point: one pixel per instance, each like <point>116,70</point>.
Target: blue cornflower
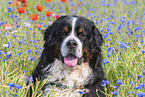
<point>108,4</point>
<point>101,31</point>
<point>119,27</point>
<point>22,65</point>
<point>137,87</point>
<point>96,22</point>
<point>81,92</point>
<point>36,51</point>
<point>105,35</point>
<point>23,38</point>
<point>141,95</point>
<point>142,85</point>
<point>141,40</point>
<point>129,34</point>
<point>34,36</point>
<point>114,93</point>
<point>36,45</point>
<point>43,18</point>
<point>133,2</point>
<point>28,78</point>
<point>103,1</point>
<point>143,51</point>
<point>39,28</point>
<point>119,82</point>
<point>108,39</point>
<point>110,49</point>
<point>140,76</point>
<point>9,2</point>
<point>20,53</point>
<point>15,36</point>
<point>133,21</point>
<point>10,9</point>
<point>117,87</point>
<point>21,41</point>
<point>41,48</point>
<point>112,16</point>
<point>31,58</point>
<point>143,72</point>
<point>8,56</point>
<point>45,25</point>
<point>40,23</point>
<point>128,22</point>
<point>1,23</point>
<point>111,33</point>
<point>104,82</point>
<point>108,55</point>
<point>11,85</point>
<point>38,40</point>
<point>29,51</point>
<point>32,40</point>
<point>105,61</point>
<point>130,92</point>
<point>130,82</point>
<point>29,29</point>
<point>1,52</point>
<point>136,29</point>
<point>18,87</point>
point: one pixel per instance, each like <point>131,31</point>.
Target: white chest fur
<point>74,79</point>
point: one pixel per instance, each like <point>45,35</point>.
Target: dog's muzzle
<point>71,53</point>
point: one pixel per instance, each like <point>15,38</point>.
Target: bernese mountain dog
<point>72,59</point>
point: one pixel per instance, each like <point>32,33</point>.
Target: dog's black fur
<point>92,41</point>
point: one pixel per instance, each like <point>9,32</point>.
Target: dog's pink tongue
<point>70,61</point>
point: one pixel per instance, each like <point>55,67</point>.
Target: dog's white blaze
<point>64,49</point>
<point>75,79</point>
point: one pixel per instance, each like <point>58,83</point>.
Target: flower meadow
<point>121,23</point>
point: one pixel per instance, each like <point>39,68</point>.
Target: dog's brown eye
<point>80,30</point>
<point>66,29</point>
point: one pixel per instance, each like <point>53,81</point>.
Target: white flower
<point>27,24</point>
<point>8,27</point>
<point>6,45</point>
<point>13,32</point>
<point>49,22</point>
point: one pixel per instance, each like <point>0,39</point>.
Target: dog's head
<point>73,40</point>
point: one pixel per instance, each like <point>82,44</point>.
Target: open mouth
<point>71,60</point>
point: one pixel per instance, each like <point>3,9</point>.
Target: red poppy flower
<point>15,3</point>
<point>63,1</point>
<point>38,25</point>
<point>48,13</point>
<point>7,26</point>
<point>39,7</point>
<point>57,16</point>
<point>21,9</point>
<point>48,0</point>
<point>34,16</point>
<point>23,1</point>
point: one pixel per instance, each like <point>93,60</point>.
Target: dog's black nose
<point>72,44</point>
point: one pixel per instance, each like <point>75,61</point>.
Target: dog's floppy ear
<point>96,41</point>
<point>52,28</point>
<point>97,36</point>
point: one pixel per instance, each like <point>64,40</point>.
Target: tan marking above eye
<point>66,29</point>
<point>80,30</point>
